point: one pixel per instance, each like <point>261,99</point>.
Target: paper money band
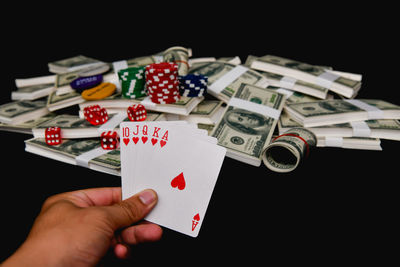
<point>287,82</point>
<point>326,79</point>
<point>119,65</point>
<point>334,141</point>
<point>227,79</point>
<point>254,107</point>
<point>360,128</point>
<point>83,159</point>
<point>113,122</point>
<point>288,93</point>
<point>373,112</point>
<point>295,135</point>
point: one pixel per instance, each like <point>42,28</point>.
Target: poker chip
<point>132,82</point>
<point>162,83</point>
<point>83,83</point>
<point>101,91</point>
<point>192,85</point>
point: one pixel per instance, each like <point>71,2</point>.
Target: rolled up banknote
<point>286,151</point>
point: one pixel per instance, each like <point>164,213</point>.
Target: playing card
<point>137,136</point>
<point>182,167</point>
<point>149,138</point>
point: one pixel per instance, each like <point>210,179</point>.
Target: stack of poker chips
<point>132,82</point>
<point>192,85</point>
<point>162,82</point>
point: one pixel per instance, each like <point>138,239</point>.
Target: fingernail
<point>147,197</point>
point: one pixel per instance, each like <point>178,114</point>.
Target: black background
<point>339,206</point>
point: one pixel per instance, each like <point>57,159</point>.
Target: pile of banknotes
<point>269,109</point>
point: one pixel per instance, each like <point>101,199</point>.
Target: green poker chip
<point>132,82</point>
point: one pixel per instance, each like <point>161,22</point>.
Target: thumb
<point>133,209</point>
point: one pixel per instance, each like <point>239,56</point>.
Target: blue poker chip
<point>192,85</point>
<point>196,79</point>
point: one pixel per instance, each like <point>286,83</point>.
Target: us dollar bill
<point>69,149</point>
<point>307,73</point>
<point>244,132</point>
<point>217,69</point>
<point>286,151</point>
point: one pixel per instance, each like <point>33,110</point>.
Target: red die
<point>95,114</point>
<point>52,136</point>
<point>109,140</point>
<point>137,112</point>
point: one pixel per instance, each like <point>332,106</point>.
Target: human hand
<point>77,228</point>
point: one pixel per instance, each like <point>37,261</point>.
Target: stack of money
<point>337,82</point>
<point>73,64</point>
<point>270,110</point>
<point>225,78</point>
<point>249,120</point>
<point>325,112</point>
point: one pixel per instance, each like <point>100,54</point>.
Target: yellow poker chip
<point>101,91</point>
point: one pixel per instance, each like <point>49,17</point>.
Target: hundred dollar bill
<point>383,129</point>
<point>325,112</point>
<point>17,112</point>
<point>225,78</point>
<point>308,73</point>
<point>248,122</point>
<point>290,83</point>
<point>68,150</point>
<point>286,151</point>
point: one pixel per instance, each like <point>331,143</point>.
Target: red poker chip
<point>167,79</point>
<point>164,102</point>
<point>169,99</point>
<point>161,67</point>
<point>162,86</point>
<point>172,93</point>
<point>165,96</point>
<point>161,91</point>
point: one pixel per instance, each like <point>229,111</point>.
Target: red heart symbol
<point>144,139</point>
<point>196,217</point>
<point>135,139</point>
<point>179,181</point>
<point>153,141</point>
<point>126,141</point>
<point>162,143</point>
